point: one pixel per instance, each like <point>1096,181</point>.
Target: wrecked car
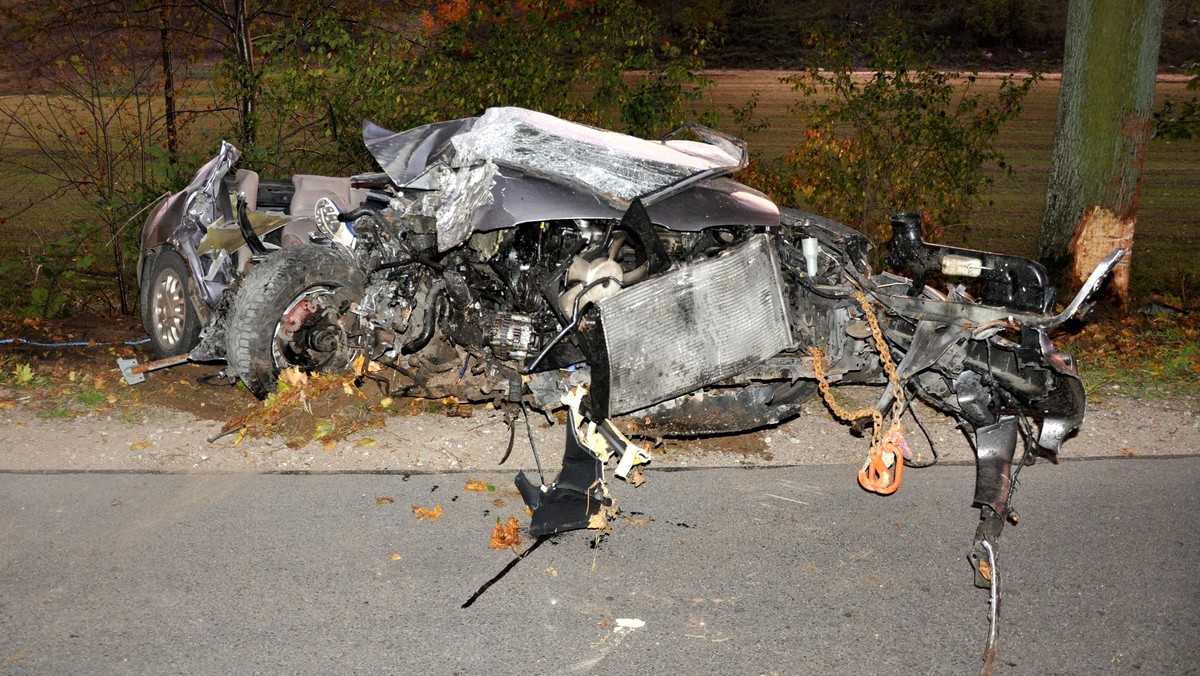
<point>537,263</point>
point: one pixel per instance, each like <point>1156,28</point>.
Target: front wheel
<point>167,311</point>
<point>292,311</point>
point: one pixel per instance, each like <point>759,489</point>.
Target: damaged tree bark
<point>1104,109</point>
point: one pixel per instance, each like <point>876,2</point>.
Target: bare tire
<point>291,311</point>
<point>167,311</point>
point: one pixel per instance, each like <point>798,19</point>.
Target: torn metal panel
<point>404,156</point>
<point>995,446</point>
<point>724,410</point>
<point>460,196</point>
<point>615,166</point>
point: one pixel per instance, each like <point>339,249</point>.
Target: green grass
<point>1138,356</point>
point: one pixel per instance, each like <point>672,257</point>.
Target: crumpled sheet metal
<point>460,160</point>
<point>461,195</point>
<point>608,163</point>
<point>404,156</point>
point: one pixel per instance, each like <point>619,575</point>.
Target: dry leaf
<point>140,445</point>
<point>482,486</point>
<point>635,522</point>
<point>386,402</point>
<point>394,556</point>
<point>294,377</point>
<point>424,514</point>
<point>505,535</point>
<point>384,501</point>
<point>1126,452</point>
<point>636,479</point>
<point>329,444</point>
<point>985,571</point>
<point>365,442</point>
<point>499,503</point>
<point>599,521</point>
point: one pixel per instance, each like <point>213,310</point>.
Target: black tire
<point>258,345</point>
<point>168,314</point>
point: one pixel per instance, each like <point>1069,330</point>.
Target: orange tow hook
<point>876,475</point>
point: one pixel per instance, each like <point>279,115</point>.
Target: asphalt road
<point>789,570</point>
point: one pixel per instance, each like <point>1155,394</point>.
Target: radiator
<point>691,327</point>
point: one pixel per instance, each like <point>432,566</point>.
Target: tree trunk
<point>1104,109</point>
<point>248,85</point>
<point>164,37</point>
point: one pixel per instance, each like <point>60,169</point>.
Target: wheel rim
<point>302,308</point>
<point>170,309</point>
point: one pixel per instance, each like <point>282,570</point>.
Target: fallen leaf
<point>385,402</point>
<point>985,571</point>
<point>635,522</point>
<point>499,503</point>
<point>140,445</point>
<point>528,511</point>
<point>636,479</point>
<point>553,571</point>
<point>322,429</point>
<point>293,376</point>
<point>1126,452</point>
<point>424,514</point>
<point>365,442</point>
<point>505,535</point>
<point>481,486</point>
<point>599,521</point>
<point>384,501</point>
<point>394,556</point>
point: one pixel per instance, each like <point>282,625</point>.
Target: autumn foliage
<point>901,136</point>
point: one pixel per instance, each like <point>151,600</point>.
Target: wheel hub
<point>170,309</point>
<point>311,334</point>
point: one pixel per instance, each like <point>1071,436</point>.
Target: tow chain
<point>887,448</point>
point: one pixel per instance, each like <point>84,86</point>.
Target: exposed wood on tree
<point>1100,232</point>
<point>1100,139</point>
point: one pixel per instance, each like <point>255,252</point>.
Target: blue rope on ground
<point>77,343</point>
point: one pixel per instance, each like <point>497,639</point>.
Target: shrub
<point>904,136</point>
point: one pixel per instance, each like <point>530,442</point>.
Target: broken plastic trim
<point>576,495</point>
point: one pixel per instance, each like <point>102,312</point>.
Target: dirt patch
<point>76,413</point>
